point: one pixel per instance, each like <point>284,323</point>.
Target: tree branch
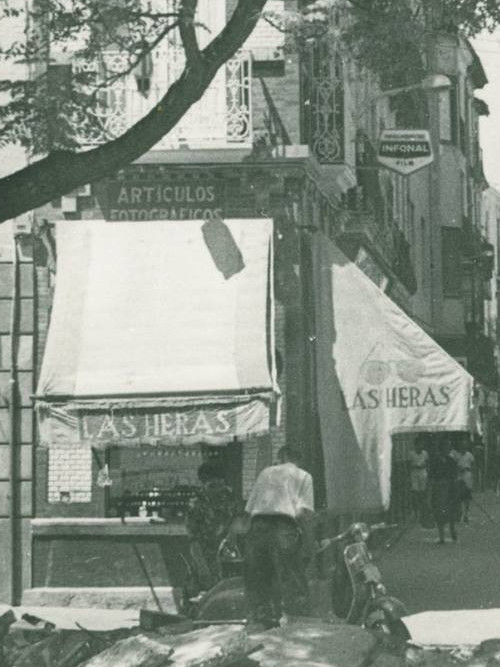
<point>63,171</point>
<point>187,31</point>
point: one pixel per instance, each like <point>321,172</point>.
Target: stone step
<point>133,597</point>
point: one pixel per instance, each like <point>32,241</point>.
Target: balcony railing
<point>222,118</point>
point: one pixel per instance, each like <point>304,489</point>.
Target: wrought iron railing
<point>222,118</point>
<point>322,118</point>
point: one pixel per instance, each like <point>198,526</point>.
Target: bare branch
<point>267,18</point>
<point>188,31</point>
<point>154,16</point>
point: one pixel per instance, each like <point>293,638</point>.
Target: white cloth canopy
<point>378,374</point>
<point>143,317</point>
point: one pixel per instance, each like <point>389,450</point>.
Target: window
<point>449,113</point>
<point>451,260</point>
<point>267,42</point>
<point>444,115</point>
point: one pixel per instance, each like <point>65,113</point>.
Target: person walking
<point>419,459</point>
<point>208,520</point>
<point>279,542</point>
<point>443,486</point>
<point>465,465</point>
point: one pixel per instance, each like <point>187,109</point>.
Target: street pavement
<point>428,576</point>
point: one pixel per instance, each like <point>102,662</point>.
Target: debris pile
<point>26,640</point>
<point>29,641</point>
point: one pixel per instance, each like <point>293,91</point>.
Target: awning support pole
<point>145,572</point>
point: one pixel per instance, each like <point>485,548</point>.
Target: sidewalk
<point>426,575</point>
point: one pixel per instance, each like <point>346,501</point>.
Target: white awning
<point>145,318</point>
<point>378,374</point>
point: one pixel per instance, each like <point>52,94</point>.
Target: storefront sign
<point>405,151</point>
<point>164,425</point>
<point>379,374</point>
<point>212,424</point>
<point>162,200</point>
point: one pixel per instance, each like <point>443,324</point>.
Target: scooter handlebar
<point>324,544</point>
<point>382,526</point>
<point>327,542</point>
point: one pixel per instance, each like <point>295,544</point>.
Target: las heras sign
<point>405,151</point>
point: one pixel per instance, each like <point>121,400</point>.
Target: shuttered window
<point>451,253</point>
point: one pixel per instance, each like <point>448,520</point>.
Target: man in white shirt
<point>280,505</point>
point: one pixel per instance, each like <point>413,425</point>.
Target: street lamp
<point>434,82</point>
<point>430,83</point>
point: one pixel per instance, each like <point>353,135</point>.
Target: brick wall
<point>70,474</point>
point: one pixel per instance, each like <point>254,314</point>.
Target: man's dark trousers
<point>275,578</point>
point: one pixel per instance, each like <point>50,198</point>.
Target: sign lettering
<point>172,425</point>
<point>156,200</point>
<point>405,151</point>
<point>401,397</point>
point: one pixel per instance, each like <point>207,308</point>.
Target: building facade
<point>282,133</point>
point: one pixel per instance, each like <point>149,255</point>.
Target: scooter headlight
<point>229,552</point>
<point>360,532</point>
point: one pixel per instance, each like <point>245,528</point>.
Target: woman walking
<point>419,460</point>
<point>465,464</point>
<point>443,483</point>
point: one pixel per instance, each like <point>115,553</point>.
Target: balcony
<point>222,118</point>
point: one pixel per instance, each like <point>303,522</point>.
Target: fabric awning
<point>378,374</point>
<point>151,340</point>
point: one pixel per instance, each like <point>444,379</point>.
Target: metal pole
<point>13,444</point>
<point>145,572</point>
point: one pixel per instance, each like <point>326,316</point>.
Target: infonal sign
<point>405,151</point>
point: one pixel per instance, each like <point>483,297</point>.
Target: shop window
<point>140,474</point>
<point>24,352</point>
<point>25,318</point>
<point>165,479</point>
<point>451,254</point>
<point>6,280</point>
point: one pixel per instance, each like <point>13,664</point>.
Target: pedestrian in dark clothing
<point>208,521</point>
<point>279,542</point>
<point>479,458</point>
<point>466,464</point>
<point>443,474</point>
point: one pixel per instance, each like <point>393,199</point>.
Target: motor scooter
<point>357,593</point>
<point>225,601</point>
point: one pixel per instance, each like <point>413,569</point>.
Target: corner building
<point>280,136</point>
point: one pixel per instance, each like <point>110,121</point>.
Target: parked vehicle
<point>223,602</point>
<point>358,594</point>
